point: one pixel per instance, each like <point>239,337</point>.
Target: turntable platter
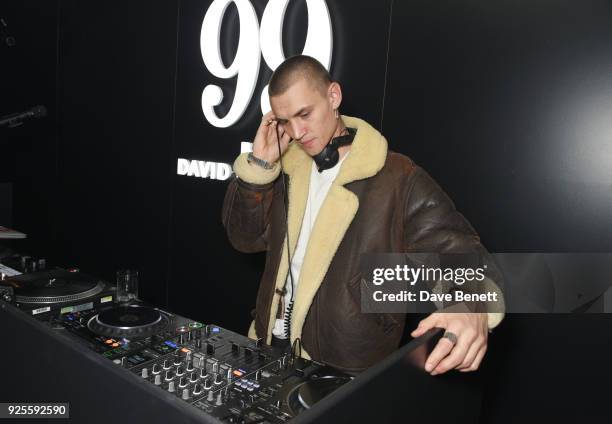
<point>55,286</point>
<point>128,321</point>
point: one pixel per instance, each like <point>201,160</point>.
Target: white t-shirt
<point>320,183</point>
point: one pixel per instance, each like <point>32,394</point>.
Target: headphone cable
<point>289,308</point>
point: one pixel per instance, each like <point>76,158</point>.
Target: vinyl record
<point>56,286</point>
<point>128,321</point>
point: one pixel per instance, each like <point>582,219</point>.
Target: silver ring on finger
<point>452,337</point>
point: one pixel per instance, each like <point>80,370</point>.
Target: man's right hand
<point>265,145</point>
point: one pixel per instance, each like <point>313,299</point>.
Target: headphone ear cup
<point>333,156</point>
<point>329,156</point>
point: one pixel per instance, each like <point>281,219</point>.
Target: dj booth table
<point>44,365</point>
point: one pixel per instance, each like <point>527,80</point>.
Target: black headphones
<point>328,157</point>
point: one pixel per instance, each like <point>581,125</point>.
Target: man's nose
<point>298,131</point>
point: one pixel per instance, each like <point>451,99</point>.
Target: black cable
<point>289,309</point>
<point>288,313</point>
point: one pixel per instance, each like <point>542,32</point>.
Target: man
<point>366,199</point>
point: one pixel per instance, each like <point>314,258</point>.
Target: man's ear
<point>335,94</point>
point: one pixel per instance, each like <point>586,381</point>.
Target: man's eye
<point>304,115</point>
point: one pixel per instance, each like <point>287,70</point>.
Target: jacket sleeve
<point>246,207</point>
<point>432,224</point>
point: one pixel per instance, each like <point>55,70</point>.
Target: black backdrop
<point>505,103</point>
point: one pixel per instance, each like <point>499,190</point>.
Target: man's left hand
<point>466,355</point>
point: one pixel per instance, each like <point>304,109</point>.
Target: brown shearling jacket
<point>379,202</point>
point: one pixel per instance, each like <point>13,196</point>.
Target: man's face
<point>306,114</point>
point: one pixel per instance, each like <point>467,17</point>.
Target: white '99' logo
<point>252,44</point>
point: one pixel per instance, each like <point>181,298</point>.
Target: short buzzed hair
<point>296,67</point>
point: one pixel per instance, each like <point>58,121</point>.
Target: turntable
<point>58,289</point>
<point>128,321</point>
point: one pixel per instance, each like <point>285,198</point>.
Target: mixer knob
<point>189,366</point>
<point>171,388</point>
<point>177,360</point>
<point>183,382</point>
<point>144,373</point>
<point>158,380</point>
<point>169,375</point>
<point>257,375</point>
<point>188,356</point>
<point>181,338</point>
<point>277,403</point>
<point>198,343</point>
<point>235,348</point>
<point>210,396</point>
<point>207,384</point>
<point>219,401</point>
<point>167,364</point>
<point>180,371</point>
<point>197,389</point>
<point>156,369</point>
<point>185,394</point>
<point>229,374</point>
<point>193,377</point>
<point>189,336</point>
<point>218,379</point>
<point>124,361</point>
<point>203,373</point>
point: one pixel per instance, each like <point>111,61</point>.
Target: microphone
<point>17,119</point>
<point>8,39</point>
